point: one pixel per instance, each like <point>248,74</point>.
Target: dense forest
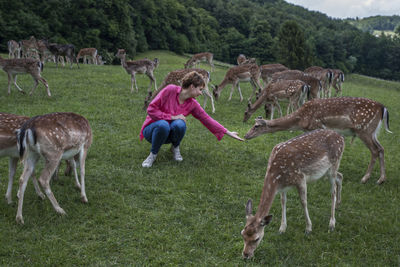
<point>270,30</point>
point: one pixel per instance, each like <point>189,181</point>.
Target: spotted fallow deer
<point>142,66</point>
<point>54,137</point>
<point>9,124</point>
<point>269,69</point>
<point>294,163</point>
<point>242,73</point>
<point>337,80</point>
<point>350,116</point>
<point>87,53</point>
<point>293,90</point>
<point>197,58</point>
<point>16,66</point>
<point>29,48</point>
<point>314,83</point>
<point>14,50</point>
<point>324,75</point>
<point>175,77</point>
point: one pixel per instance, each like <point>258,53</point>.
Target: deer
<point>87,52</point>
<point>337,80</point>
<point>16,66</point>
<point>314,83</point>
<point>29,48</point>
<point>143,66</point>
<point>14,49</point>
<point>67,50</point>
<point>324,75</point>
<point>197,58</point>
<point>242,59</point>
<point>175,77</point>
<point>294,163</point>
<point>269,69</point>
<point>53,137</point>
<point>9,124</point>
<point>350,116</point>
<point>246,72</point>
<point>293,90</point>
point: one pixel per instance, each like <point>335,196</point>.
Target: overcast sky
<point>351,8</point>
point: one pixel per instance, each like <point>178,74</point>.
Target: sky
<point>351,8</point>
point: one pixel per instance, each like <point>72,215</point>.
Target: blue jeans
<point>161,132</point>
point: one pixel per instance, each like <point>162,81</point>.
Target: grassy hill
<point>191,213</point>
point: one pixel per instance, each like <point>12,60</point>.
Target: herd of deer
<point>293,163</point>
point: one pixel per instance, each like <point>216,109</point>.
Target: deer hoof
<point>19,220</point>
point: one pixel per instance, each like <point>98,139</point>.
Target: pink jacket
<point>166,104</point>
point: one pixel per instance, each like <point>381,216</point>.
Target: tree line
<point>270,30</point>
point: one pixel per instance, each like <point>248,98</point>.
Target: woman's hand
<point>178,117</point>
<point>234,135</point>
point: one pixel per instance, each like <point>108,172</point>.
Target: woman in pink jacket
<point>166,117</point>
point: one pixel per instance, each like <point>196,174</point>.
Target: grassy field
<point>192,212</point>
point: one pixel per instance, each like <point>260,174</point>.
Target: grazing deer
<point>67,50</point>
<point>175,77</point>
<point>197,58</point>
<point>245,73</point>
<point>293,90</point>
<point>143,66</point>
<point>269,69</point>
<point>14,49</point>
<point>294,163</point>
<point>337,80</point>
<point>54,137</point>
<point>350,116</point>
<point>314,83</point>
<point>87,52</point>
<point>324,75</point>
<point>9,124</point>
<point>16,66</point>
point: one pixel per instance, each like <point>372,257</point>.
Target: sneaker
<point>147,163</point>
<point>177,154</point>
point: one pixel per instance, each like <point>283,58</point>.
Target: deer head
<point>253,232</point>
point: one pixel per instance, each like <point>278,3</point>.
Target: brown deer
<point>14,49</point>
<point>143,66</point>
<point>324,75</point>
<point>29,48</point>
<point>175,77</point>
<point>293,90</point>
<point>337,80</point>
<point>54,137</point>
<point>350,116</point>
<point>9,124</point>
<point>16,66</point>
<point>294,163</point>
<point>314,83</point>
<point>269,69</point>
<point>245,73</point>
<point>197,58</point>
<point>87,53</point>
<point>67,50</point>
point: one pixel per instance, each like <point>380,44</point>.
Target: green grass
<point>191,213</point>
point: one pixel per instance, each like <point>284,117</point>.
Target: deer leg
<point>302,189</point>
<point>381,152</point>
<point>35,84</point>
<point>240,92</point>
<point>233,88</point>
<point>72,162</point>
<point>152,79</point>
<point>133,80</point>
<point>82,161</point>
<point>206,94</point>
<point>276,103</point>
<point>332,173</point>
<point>12,166</point>
<point>339,179</point>
<point>374,154</point>
<point>37,187</point>
<point>44,179</point>
<point>283,226</point>
<point>29,166</point>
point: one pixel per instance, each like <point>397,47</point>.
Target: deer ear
<point>249,207</point>
<point>259,118</point>
<point>266,220</point>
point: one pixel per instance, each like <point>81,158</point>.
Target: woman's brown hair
<point>193,78</point>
